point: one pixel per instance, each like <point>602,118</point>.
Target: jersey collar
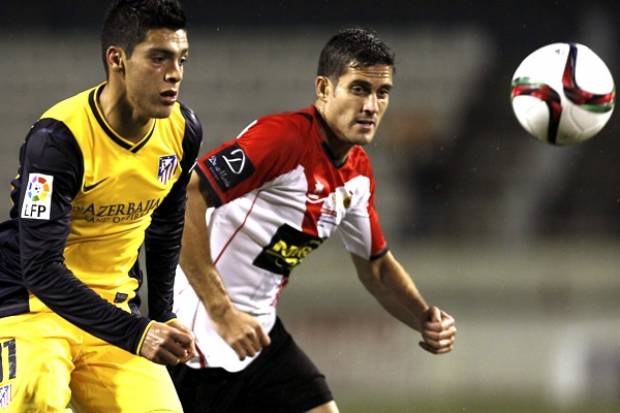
<point>93,101</point>
<point>321,124</point>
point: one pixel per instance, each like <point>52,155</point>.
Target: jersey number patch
<point>7,352</point>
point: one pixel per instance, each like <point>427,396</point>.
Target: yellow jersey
<point>86,200</point>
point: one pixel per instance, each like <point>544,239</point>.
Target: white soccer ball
<point>563,93</point>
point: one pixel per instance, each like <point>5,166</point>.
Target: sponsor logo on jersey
<point>287,249</point>
<point>38,197</point>
<point>5,395</point>
<point>88,188</point>
<point>229,166</point>
<point>167,167</point>
<point>115,213</point>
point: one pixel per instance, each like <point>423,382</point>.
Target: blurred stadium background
<point>518,240</point>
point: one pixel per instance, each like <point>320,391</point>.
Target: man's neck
<point>121,116</point>
<point>338,149</point>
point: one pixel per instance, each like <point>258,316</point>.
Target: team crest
<point>166,169</point>
<point>346,200</point>
<point>5,396</point>
<point>38,197</point>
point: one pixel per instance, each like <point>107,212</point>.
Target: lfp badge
<point>38,197</point>
<point>167,166</point>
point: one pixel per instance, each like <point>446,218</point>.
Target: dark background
<point>517,239</point>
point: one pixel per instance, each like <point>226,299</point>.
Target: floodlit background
<point>518,240</point>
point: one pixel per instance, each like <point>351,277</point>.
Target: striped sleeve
<point>360,229</point>
<point>263,151</point>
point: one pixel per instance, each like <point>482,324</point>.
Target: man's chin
<point>363,139</point>
<point>162,113</point>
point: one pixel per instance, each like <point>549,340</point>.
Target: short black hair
<point>357,47</point>
<point>127,22</point>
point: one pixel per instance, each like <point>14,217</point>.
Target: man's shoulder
<point>70,107</point>
<point>292,125</point>
<point>188,113</point>
<point>301,118</point>
<point>358,160</point>
<point>358,152</point>
<point>192,128</point>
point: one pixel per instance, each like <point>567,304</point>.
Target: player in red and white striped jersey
<point>272,196</point>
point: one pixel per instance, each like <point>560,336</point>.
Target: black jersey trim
<point>192,137</point>
<point>8,310</point>
<point>145,140</point>
<point>104,126</point>
<point>380,254</point>
<point>93,97</point>
<point>336,162</point>
<point>207,191</point>
<point>308,116</point>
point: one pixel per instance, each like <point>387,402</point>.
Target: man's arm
<point>394,289</point>
<point>240,330</point>
<point>163,237</point>
<point>52,154</point>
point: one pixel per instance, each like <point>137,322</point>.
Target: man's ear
<point>323,87</point>
<point>115,58</point>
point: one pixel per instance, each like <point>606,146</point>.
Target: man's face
<point>354,106</point>
<point>154,72</point>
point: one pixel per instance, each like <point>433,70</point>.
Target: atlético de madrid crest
<point>167,167</point>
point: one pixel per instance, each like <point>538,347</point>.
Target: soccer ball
<point>563,93</point>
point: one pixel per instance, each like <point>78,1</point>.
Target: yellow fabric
<point>57,362</point>
<point>119,192</point>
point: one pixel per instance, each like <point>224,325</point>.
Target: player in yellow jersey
<point>100,175</point>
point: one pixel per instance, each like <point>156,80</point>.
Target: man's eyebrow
<point>168,52</point>
<point>368,84</point>
<point>361,82</point>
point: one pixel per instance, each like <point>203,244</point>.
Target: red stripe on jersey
<point>281,286</point>
<point>202,359</point>
<point>379,244</point>
<point>237,230</point>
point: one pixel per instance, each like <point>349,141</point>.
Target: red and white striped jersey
<point>276,194</point>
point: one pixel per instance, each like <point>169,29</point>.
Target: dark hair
<point>127,22</point>
<point>355,47</point>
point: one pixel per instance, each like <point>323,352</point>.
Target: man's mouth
<point>365,122</point>
<point>169,96</point>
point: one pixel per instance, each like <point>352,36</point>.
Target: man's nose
<point>370,104</point>
<point>174,73</point>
